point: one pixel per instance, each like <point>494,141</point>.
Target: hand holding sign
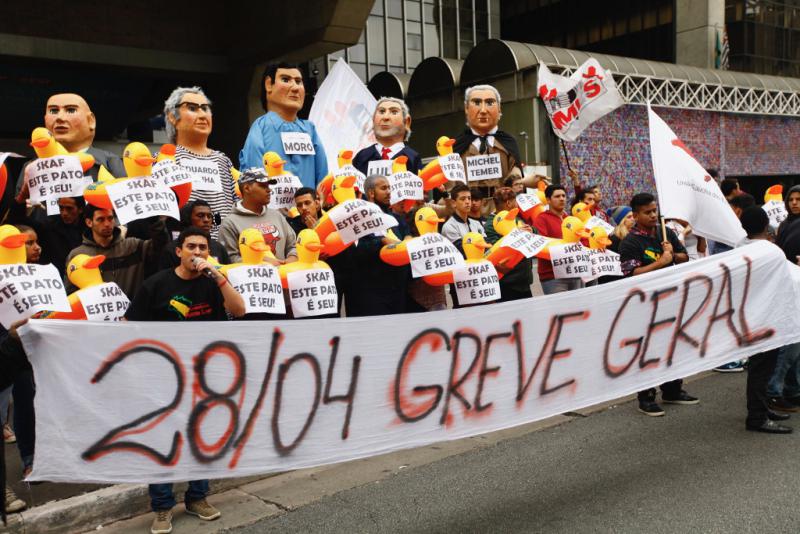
<point>139,198</point>
<point>28,289</point>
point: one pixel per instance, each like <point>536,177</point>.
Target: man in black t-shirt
<point>643,251</point>
<point>185,294</point>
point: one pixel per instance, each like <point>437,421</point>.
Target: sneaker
<point>779,404</point>
<point>651,408</point>
<point>14,503</point>
<point>203,510</point>
<point>682,398</point>
<point>162,523</point>
<point>733,367</point>
<point>8,434</point>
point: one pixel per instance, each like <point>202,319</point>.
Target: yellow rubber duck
<point>427,222</point>
<point>96,194</point>
<point>431,174</point>
<point>137,160</point>
<point>774,192</point>
<point>252,248</point>
<point>582,211</point>
<point>308,248</point>
<point>83,271</point>
<point>504,222</point>
<point>46,146</point>
<point>474,246</point>
<point>12,245</point>
<point>572,231</point>
<point>182,191</point>
<point>399,164</point>
<point>343,159</point>
<point>273,164</point>
<point>598,238</point>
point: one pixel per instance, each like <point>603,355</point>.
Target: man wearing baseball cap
<point>252,212</point>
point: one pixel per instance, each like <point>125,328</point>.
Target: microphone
<point>207,271</point>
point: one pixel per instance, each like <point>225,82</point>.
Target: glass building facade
<point>399,34</point>
<point>764,36</point>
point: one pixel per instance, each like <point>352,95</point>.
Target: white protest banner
<point>104,302</point>
<point>381,167</point>
<point>453,168</point>
<point>282,193</point>
<point>349,170</point>
<point>602,263</point>
<point>170,173</point>
<point>139,198</point>
<point>55,177</point>
<point>312,292</point>
<point>26,289</point>
<point>301,394</point>
<point>776,211</point>
<point>342,112</point>
<point>358,218</point>
<point>595,221</point>
<point>526,243</point>
<point>297,143</point>
<point>476,283</point>
<point>570,260</point>
<point>485,167</point>
<point>576,102</point>
<point>686,191</point>
<point>405,185</point>
<point>52,206</point>
<point>433,253</point>
<point>527,201</point>
<point>205,174</point>
<point>260,287</point>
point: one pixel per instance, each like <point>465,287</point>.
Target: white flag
<point>574,103</point>
<point>686,191</point>
<point>342,112</point>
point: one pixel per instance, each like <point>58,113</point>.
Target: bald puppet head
<point>73,124</point>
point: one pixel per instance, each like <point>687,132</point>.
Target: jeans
<point>559,285</point>
<point>785,381</point>
<point>161,497</point>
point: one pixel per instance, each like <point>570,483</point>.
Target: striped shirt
<point>221,202</point>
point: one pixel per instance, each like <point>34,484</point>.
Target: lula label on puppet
<point>453,168</point>
<point>484,167</point>
<point>205,174</point>
<point>312,292</point>
<point>476,283</point>
<point>355,219</point>
<point>26,289</point>
<point>282,194</point>
<point>404,185</point>
<point>603,263</point>
<point>381,167</point>
<point>349,170</point>
<point>570,260</point>
<point>526,243</point>
<point>596,221</point>
<point>527,201</point>
<point>170,173</point>
<point>55,177</point>
<point>139,198</point>
<point>297,143</point>
<point>104,302</point>
<point>433,254</point>
<point>259,286</point>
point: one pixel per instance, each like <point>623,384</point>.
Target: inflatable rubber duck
<point>96,194</point>
<point>137,160</point>
<point>83,271</point>
<point>235,174</point>
<point>345,162</point>
<point>572,231</point>
<point>252,248</point>
<point>46,146</point>
<point>182,191</point>
<point>399,165</point>
<point>12,245</point>
<point>427,222</point>
<point>431,174</point>
<point>273,164</point>
<point>598,238</point>
<point>499,254</point>
<point>308,248</point>
<point>582,211</point>
<point>474,246</point>
<point>775,193</point>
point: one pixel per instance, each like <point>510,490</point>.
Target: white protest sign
<point>303,395</point>
<point>776,211</point>
<point>433,253</point>
<point>52,206</point>
<point>55,177</point>
<point>603,263</point>
<point>476,283</point>
<point>405,185</point>
<point>349,170</point>
<point>595,221</point>
<point>453,168</point>
<point>260,287</point>
<point>358,218</point>
<point>526,243</point>
<point>380,167</point>
<point>104,302</point>
<point>297,143</point>
<point>312,292</point>
<point>282,193</point>
<point>139,198</point>
<point>205,174</point>
<point>484,167</point>
<point>570,260</point>
<point>26,289</point>
<point>527,201</point>
<point>170,173</point>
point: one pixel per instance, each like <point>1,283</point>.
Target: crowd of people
<point>154,261</point>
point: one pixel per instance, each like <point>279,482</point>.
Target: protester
<point>460,224</point>
<point>515,283</point>
<point>198,297</point>
<point>308,209</point>
<point>378,288</point>
<point>694,244</point>
<point>127,258</point>
<point>195,213</point>
<point>476,208</point>
<point>642,251</point>
<point>252,212</point>
<point>516,183</point>
<point>622,218</point>
<point>589,194</point>
<point>282,96</point>
<point>730,188</point>
<point>391,124</point>
<point>189,122</point>
<point>548,223</point>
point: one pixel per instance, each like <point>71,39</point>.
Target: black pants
<point>759,371</point>
<point>507,294</point>
<point>668,389</point>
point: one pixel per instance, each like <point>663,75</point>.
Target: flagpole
<point>566,156</point>
<point>663,229</point>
